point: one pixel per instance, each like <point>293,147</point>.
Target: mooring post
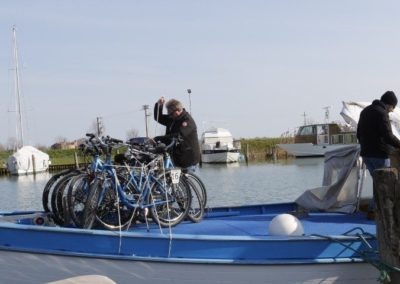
<point>76,160</point>
<point>34,164</point>
<point>387,199</point>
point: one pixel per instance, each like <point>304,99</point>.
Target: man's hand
<point>161,101</point>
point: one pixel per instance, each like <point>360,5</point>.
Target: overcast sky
<point>254,67</point>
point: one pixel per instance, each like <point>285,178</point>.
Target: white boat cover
<point>27,160</point>
<point>340,190</point>
<point>351,113</point>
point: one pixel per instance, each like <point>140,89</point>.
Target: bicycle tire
<point>77,193</point>
<point>199,185</point>
<point>57,204</point>
<point>111,212</point>
<point>89,213</point>
<point>196,210</point>
<point>168,205</point>
<point>47,188</point>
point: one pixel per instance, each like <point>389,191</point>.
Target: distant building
<point>64,145</point>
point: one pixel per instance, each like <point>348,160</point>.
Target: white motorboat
<point>218,146</point>
<point>26,159</point>
<point>315,140</point>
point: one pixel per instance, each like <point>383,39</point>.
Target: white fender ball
<point>285,225</point>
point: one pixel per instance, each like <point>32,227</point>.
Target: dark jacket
<point>187,153</point>
<point>374,131</point>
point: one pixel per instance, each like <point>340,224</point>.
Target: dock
<point>52,168</point>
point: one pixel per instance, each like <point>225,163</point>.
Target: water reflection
<point>22,192</point>
<point>227,184</point>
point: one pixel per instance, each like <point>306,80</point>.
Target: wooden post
<point>387,198</point>
<point>76,160</point>
<point>34,164</point>
<point>246,157</point>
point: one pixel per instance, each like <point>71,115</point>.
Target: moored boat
<point>314,140</point>
<point>218,146</point>
<point>26,159</point>
<point>231,244</point>
<point>325,240</point>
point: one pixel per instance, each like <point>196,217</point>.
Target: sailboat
<point>27,159</point>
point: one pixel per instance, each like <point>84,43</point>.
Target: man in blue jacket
<point>374,133</point>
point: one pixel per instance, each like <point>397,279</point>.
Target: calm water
<point>232,184</point>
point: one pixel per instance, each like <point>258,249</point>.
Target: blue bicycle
<point>115,201</point>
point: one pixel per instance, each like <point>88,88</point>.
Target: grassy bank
<point>264,148</point>
<point>256,149</point>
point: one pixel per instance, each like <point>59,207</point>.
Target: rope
<point>370,256</point>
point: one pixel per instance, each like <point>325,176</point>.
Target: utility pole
<point>190,101</point>
<point>305,118</point>
<point>99,121</point>
<point>327,113</point>
<point>146,115</point>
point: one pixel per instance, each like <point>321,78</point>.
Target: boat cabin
<point>324,134</point>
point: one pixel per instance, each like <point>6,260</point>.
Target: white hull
<point>220,157</point>
<point>217,146</point>
<point>20,267</point>
<point>28,160</point>
<point>309,149</point>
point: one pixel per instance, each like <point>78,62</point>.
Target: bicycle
<point>198,190</point>
<point>114,203</point>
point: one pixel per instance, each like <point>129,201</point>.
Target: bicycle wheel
<point>89,212</point>
<point>49,186</point>
<point>198,183</point>
<point>57,204</point>
<point>196,210</point>
<point>111,212</point>
<point>169,202</point>
<point>77,193</point>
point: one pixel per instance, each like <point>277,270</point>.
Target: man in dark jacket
<point>374,133</point>
<point>179,122</point>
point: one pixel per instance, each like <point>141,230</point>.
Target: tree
<point>60,139</point>
<point>97,127</point>
<point>132,133</point>
<point>11,143</point>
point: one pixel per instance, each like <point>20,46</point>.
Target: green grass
<point>258,148</point>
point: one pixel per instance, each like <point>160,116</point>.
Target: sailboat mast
<point>20,132</point>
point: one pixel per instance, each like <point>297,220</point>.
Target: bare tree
<point>132,133</point>
<point>11,143</point>
<point>97,127</point>
<point>60,139</point>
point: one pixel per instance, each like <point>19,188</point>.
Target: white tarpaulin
<point>28,160</point>
<point>351,113</point>
<point>340,187</point>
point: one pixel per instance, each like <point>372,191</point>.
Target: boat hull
<point>231,245</point>
<point>309,149</point>
<point>23,267</point>
<point>211,156</point>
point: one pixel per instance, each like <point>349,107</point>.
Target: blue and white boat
<point>329,242</point>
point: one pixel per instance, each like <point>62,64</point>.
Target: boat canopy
<point>341,186</point>
<point>28,159</point>
<point>216,133</point>
<point>351,113</point>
